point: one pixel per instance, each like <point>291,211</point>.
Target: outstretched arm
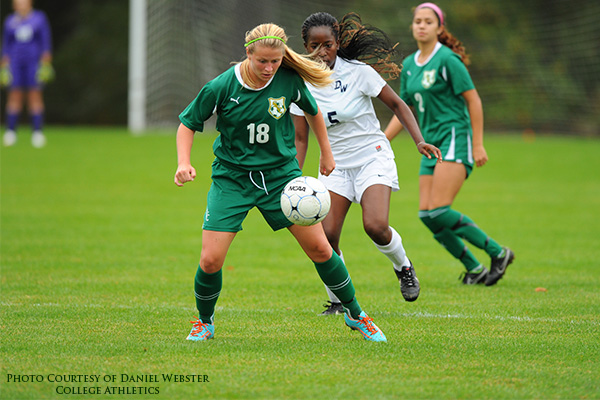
<point>405,117</point>
<point>301,128</point>
<point>476,113</point>
<point>393,129</point>
<point>185,171</point>
<point>317,124</point>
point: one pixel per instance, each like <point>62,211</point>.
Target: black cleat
<point>409,283</point>
<point>474,278</point>
<point>333,308</point>
<point>498,267</point>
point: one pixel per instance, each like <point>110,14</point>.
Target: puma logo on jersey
<point>236,101</point>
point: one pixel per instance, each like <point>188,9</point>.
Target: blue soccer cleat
<point>365,325</point>
<point>201,331</point>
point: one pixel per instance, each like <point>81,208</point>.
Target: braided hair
<point>358,41</point>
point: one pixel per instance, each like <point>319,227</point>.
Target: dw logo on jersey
<point>277,107</point>
<point>428,79</point>
<point>340,86</point>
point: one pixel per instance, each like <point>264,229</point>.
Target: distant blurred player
<point>436,84</point>
<point>25,67</point>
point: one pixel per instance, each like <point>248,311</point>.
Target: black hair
<point>358,41</point>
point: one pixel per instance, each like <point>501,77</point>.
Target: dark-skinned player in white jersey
<point>365,168</point>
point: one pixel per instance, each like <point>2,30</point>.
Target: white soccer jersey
<point>352,125</point>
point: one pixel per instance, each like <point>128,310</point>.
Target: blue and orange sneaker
<point>365,325</point>
<point>201,331</point>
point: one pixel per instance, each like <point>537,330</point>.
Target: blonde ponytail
<point>312,71</point>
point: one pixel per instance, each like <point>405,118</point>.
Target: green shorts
<point>234,192</point>
<point>455,147</point>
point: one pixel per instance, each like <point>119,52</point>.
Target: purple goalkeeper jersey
<point>26,39</point>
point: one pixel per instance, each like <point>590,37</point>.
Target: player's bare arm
<point>405,116</point>
<point>185,171</point>
<point>393,129</point>
<point>317,124</point>
<point>476,113</point>
<point>301,129</point>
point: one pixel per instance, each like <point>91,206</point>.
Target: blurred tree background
<point>536,64</point>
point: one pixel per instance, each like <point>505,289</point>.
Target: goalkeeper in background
<point>25,68</point>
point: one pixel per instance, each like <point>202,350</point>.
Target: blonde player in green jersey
<point>255,157</point>
<point>436,84</point>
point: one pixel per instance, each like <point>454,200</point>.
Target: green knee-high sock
<point>450,241</point>
<point>432,225</point>
<point>207,288</point>
<point>457,248</point>
<point>335,276</point>
<point>464,227</point>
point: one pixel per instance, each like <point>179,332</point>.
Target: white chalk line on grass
<point>495,317</point>
<point>419,314</point>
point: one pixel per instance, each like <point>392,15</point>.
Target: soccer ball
<point>305,201</point>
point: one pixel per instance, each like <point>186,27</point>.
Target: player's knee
<point>210,264</point>
<point>379,232</point>
<point>320,253</point>
<point>14,106</point>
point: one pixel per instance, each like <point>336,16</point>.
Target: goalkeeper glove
<point>45,73</point>
<point>5,76</point>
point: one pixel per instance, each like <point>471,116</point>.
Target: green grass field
<point>99,250</point>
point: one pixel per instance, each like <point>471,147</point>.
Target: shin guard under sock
<point>457,248</point>
<point>464,227</point>
<point>207,288</point>
<point>394,251</point>
<point>449,240</point>
<point>335,276</point>
<point>12,120</point>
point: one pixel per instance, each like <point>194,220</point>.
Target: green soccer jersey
<point>434,90</point>
<point>255,129</point>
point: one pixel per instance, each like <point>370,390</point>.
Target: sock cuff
<point>396,239</point>
<point>209,278</point>
<point>436,212</point>
<point>333,260</point>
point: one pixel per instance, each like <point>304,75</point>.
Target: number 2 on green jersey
<point>419,99</point>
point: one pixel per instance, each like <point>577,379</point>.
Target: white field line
<point>419,314</point>
<point>494,317</point>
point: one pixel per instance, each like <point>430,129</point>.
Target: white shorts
<point>352,182</point>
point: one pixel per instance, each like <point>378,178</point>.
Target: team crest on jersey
<point>277,107</point>
<point>428,79</point>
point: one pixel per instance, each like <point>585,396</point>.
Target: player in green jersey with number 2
<point>436,84</point>
<point>255,158</point>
